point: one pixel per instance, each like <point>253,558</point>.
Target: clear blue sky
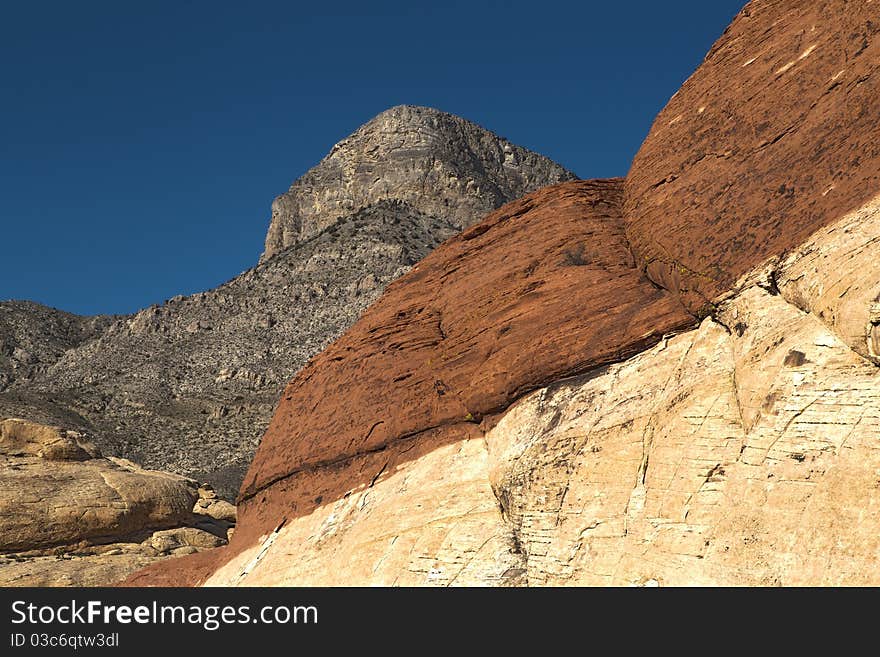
<point>141,144</point>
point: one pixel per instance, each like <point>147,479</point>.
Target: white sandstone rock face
<point>743,452</point>
<point>711,459</point>
<point>432,522</point>
<point>836,276</point>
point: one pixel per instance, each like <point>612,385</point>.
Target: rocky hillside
<point>440,164</point>
<point>669,380</point>
<point>33,337</point>
<point>190,385</point>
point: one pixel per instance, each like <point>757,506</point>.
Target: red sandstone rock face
<point>774,136</point>
<point>547,286</point>
<point>543,288</point>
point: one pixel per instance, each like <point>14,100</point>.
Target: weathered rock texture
<point>190,385</point>
<point>440,164</point>
<point>73,569</point>
<point>773,137</point>
<point>433,520</point>
<point>715,458</point>
<point>56,490</point>
<point>741,451</point>
<point>849,301</point>
<point>61,501</point>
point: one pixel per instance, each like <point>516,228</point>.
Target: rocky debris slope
<point>776,134</point>
<point>584,390</point>
<point>440,164</point>
<point>33,336</point>
<point>190,385</point>
<point>62,501</point>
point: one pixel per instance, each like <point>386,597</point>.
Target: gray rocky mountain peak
<point>190,385</point>
<point>438,163</point>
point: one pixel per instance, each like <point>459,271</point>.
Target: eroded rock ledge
<point>69,516</point>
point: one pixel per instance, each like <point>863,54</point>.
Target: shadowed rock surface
<point>441,164</point>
